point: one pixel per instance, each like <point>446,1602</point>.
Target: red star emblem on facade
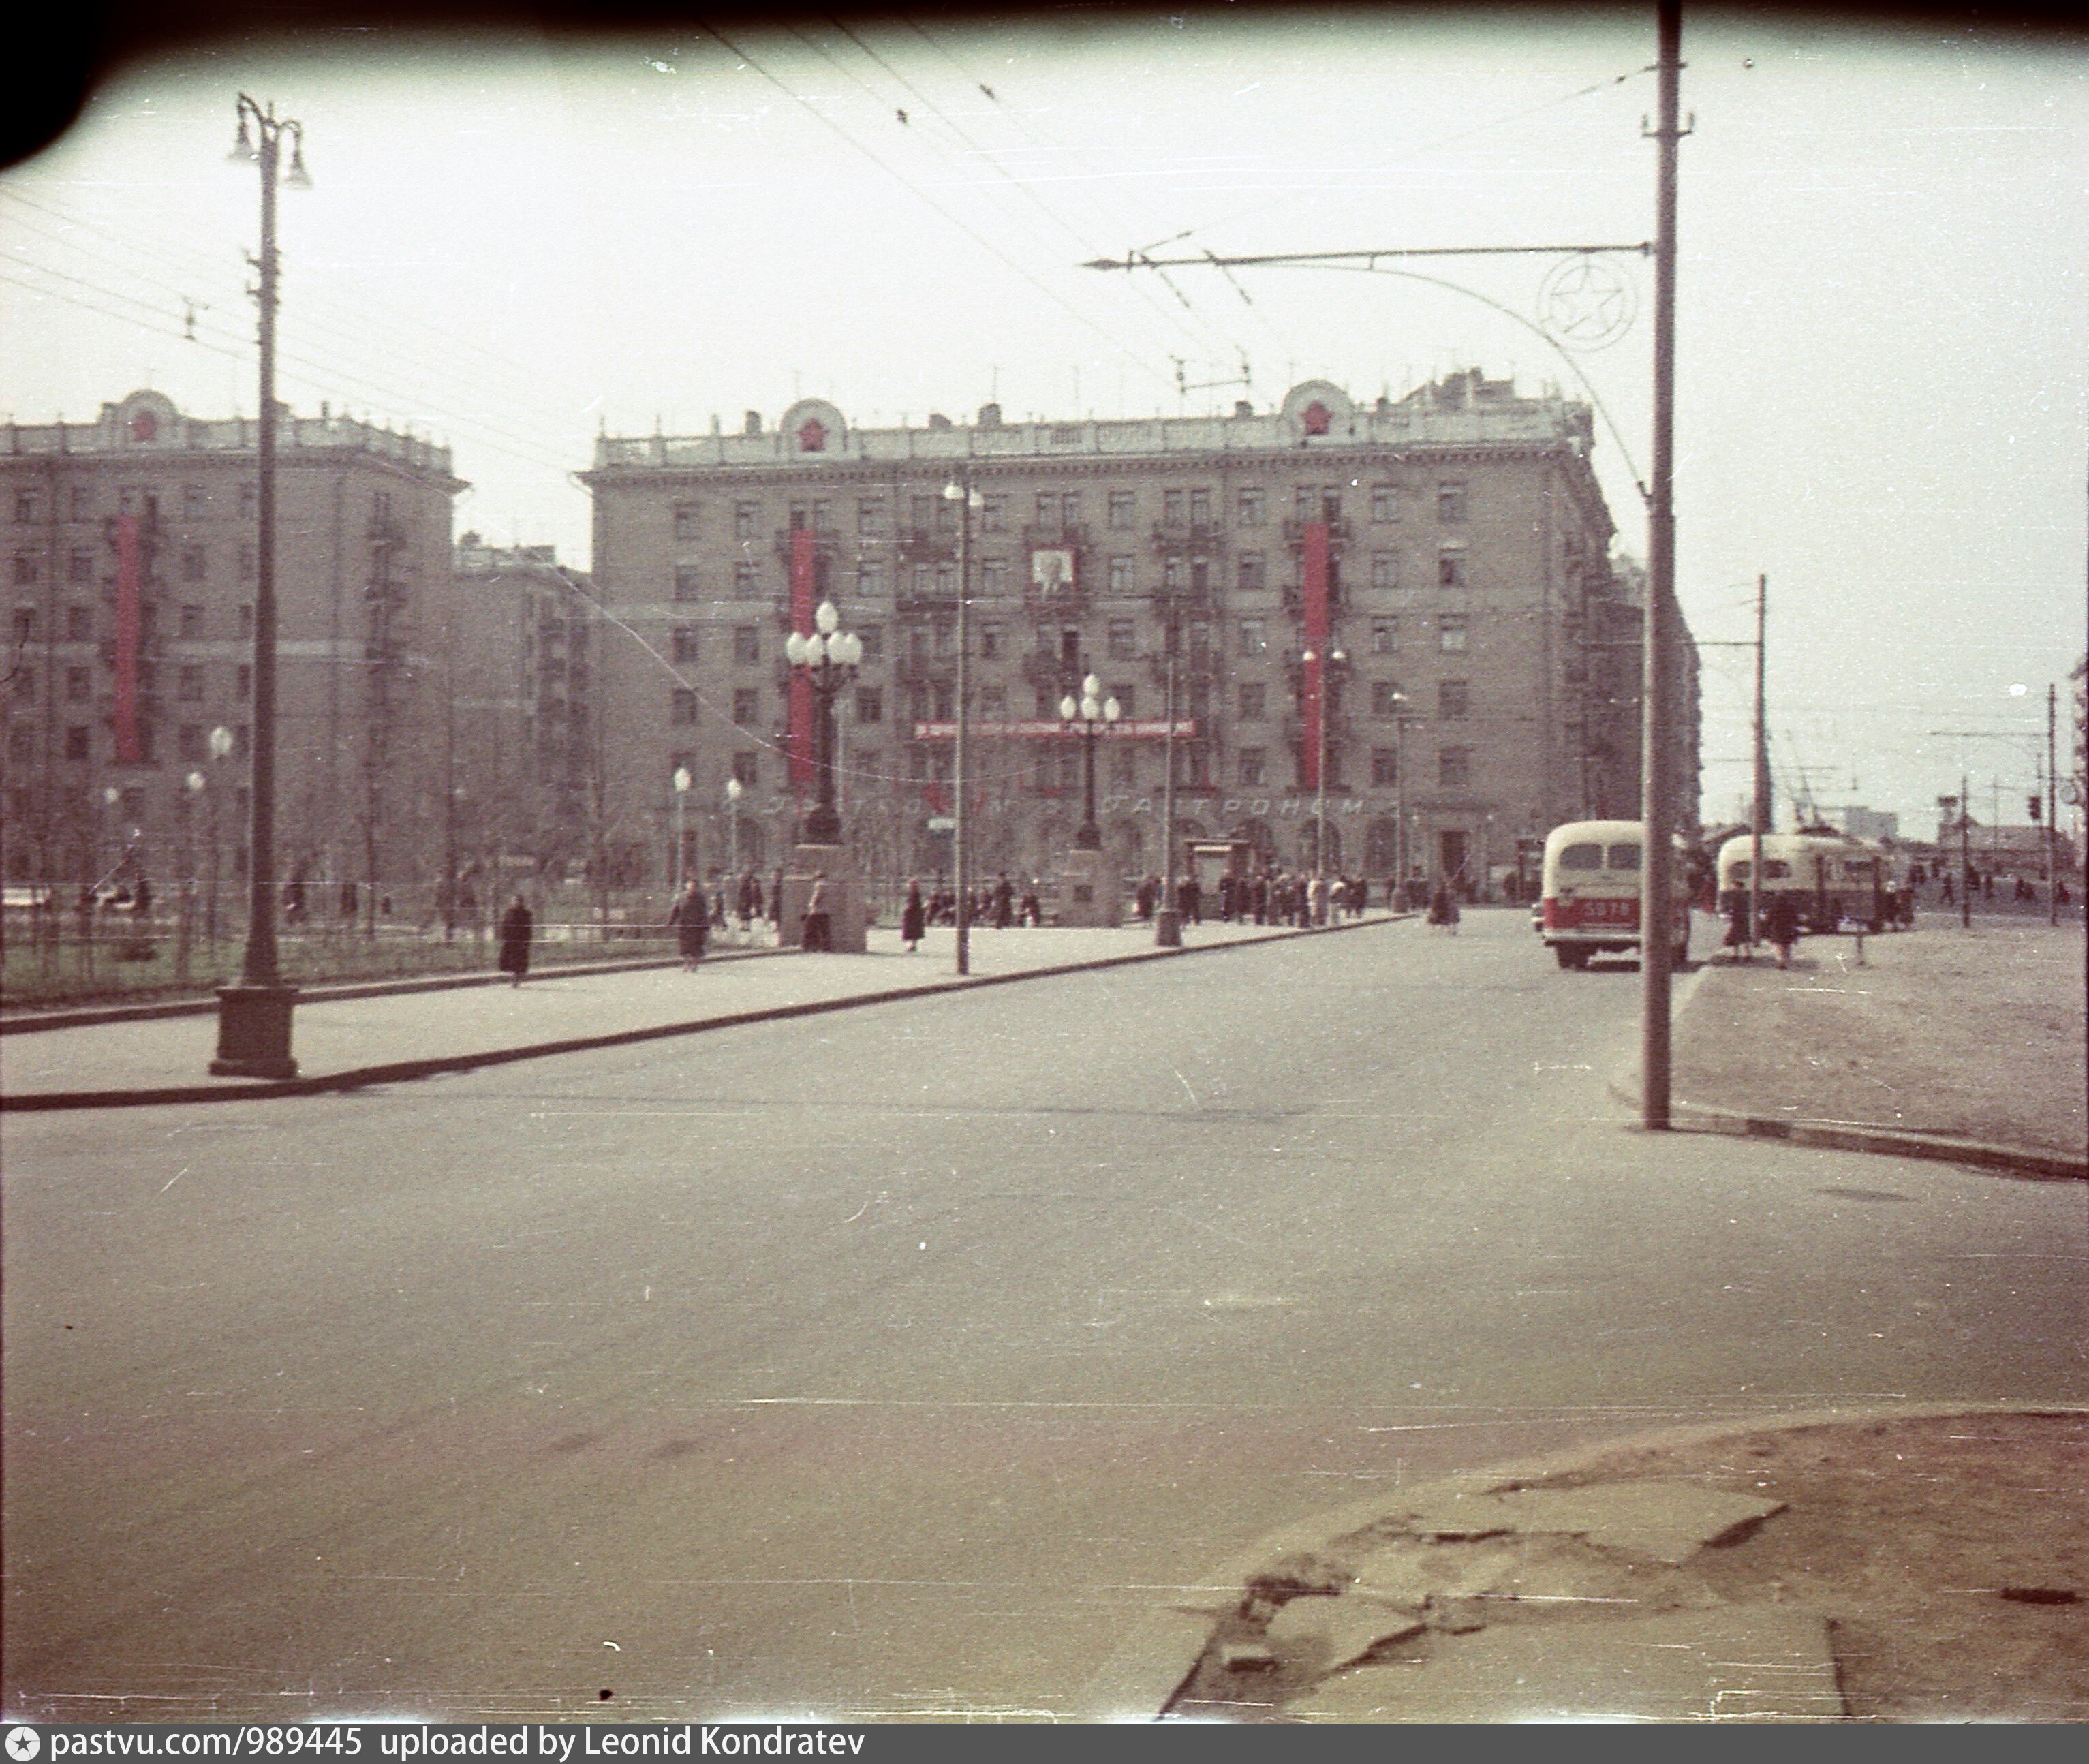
<point>812,436</point>
<point>1316,417</point>
<point>144,426</point>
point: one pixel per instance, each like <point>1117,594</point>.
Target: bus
<point>1589,892</point>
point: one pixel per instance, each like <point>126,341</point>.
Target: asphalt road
<point>895,1362</point>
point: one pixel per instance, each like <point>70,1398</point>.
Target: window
<point>76,740</point>
<point>1454,698</point>
<point>1070,508</point>
<point>946,581</point>
<point>686,582</point>
<point>25,625</point>
<point>747,768</point>
<point>249,568</point>
<point>1385,504</point>
<point>869,704</point>
<point>1121,581</point>
<point>993,515</point>
<point>989,642</point>
<point>870,581</point>
<point>747,705</point>
<point>1250,507</point>
<point>1253,571</point>
<point>1386,699</point>
<point>823,515</point>
<point>1454,768</point>
<point>1253,702</point>
<point>250,501</point>
<point>242,748</point>
<point>870,512</point>
<point>923,512</point>
<point>191,621</point>
<point>194,502</point>
<point>1200,508</point>
<point>947,703</point>
<point>685,645</point>
<point>1450,631</point>
<point>79,625</point>
<point>1451,565</point>
<point>1588,856</point>
<point>188,684</point>
<point>1385,765</point>
<point>1385,569</point>
<point>243,682</point>
<point>1048,509</point>
<point>1450,502</point>
<point>25,567</point>
<point>1123,641</point>
<point>1253,637</point>
<point>1173,505</point>
<point>994,701</point>
<point>1171,575</point>
<point>81,567</point>
<point>872,638</point>
<point>1385,637</point>
<point>1626,857</point>
<point>25,505</point>
<point>1253,764</point>
<point>747,644</point>
<point>687,526</point>
<point>80,684</point>
<point>746,519</point>
<point>1123,509</point>
<point>744,584</point>
<point>83,503</point>
<point>1047,706</point>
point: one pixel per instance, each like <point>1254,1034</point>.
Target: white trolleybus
<point>1588,899</point>
<point>1832,878</point>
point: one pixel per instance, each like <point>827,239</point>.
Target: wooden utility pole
<point>1759,815</point>
<point>1658,809</point>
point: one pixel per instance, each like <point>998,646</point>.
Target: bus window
<point>1738,872</point>
<point>1581,857</point>
<point>1775,869</point>
<point>1624,857</point>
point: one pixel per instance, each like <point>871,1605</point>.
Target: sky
<point>514,242</point>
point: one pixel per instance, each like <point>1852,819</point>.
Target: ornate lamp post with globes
<point>1091,891</point>
<point>827,659</point>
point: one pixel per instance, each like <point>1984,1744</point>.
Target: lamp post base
<point>1168,929</point>
<point>253,1032</point>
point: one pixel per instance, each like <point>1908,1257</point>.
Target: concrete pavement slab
<point>1737,1663</point>
<point>1328,1633</point>
<point>1669,1521</point>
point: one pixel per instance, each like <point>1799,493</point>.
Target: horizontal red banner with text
<point>1151,728</point>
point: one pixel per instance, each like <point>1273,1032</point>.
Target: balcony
<point>1338,730</point>
<point>1197,666</point>
<point>1294,532</point>
<point>1055,536</point>
<point>1294,598</point>
<point>1041,667</point>
<point>825,542</point>
<point>1188,538</point>
<point>923,669</point>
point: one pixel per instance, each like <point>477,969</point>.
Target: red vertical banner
<point>130,570</point>
<point>801,687</point>
<point>1314,678</point>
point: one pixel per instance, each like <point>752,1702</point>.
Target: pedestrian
<point>1444,909</point>
<point>776,902</point>
<point>1781,920</point>
<point>913,917</point>
<point>815,932</point>
<point>1032,912</point>
<point>1004,902</point>
<point>692,921</point>
<point>516,926</point>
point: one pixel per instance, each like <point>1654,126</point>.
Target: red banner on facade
<point>1313,676</point>
<point>1148,729</point>
<point>802,768</point>
<point>130,572</point>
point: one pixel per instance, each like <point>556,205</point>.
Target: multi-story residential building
<point>521,754</point>
<point>130,564</point>
<point>1423,585</point>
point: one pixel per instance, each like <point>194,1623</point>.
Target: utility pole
<point>1657,878</point>
<point>2052,807</point>
<point>960,491</point>
<point>1965,854</point>
<point>1758,818</point>
<point>1166,922</point>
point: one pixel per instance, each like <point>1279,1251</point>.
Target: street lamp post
<point>961,492</point>
<point>828,660</point>
<point>254,1015</point>
<point>221,745</point>
<point>682,781</point>
<point>1399,797</point>
<point>1168,917</point>
<point>1088,718</point>
<point>184,927</point>
<point>1335,657</point>
<point>733,787</point>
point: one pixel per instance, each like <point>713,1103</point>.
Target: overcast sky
<point>513,242</point>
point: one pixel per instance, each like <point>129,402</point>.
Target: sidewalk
<point>1943,1033</point>
<point>386,1035</point>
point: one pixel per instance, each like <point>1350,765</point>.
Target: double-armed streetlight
<point>254,1015</point>
<point>827,660</point>
<point>1087,717</point>
<point>1319,683</point>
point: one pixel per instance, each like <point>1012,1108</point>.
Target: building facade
<point>1413,600</point>
<point>131,564</point>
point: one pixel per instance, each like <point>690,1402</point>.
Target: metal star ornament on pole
<point>254,1015</point>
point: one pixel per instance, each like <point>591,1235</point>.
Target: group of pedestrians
<point>997,903</point>
<point>1270,896</point>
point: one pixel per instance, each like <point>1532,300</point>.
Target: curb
<point>1152,1665</point>
<point>1890,1142</point>
<point>93,1016</point>
<point>361,1077</point>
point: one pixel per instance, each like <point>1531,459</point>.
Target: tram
<point>1588,897</point>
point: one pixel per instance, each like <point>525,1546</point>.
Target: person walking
<point>1444,909</point>
<point>1781,921</point>
<point>913,917</point>
<point>1004,902</point>
<point>692,920</point>
<point>517,925</point>
<point>818,930</point>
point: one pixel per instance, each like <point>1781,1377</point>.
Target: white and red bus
<point>1588,897</point>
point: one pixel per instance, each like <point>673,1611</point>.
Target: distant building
<point>1862,823</point>
<point>131,564</point>
<point>1444,558</point>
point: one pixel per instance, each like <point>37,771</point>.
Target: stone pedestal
<point>253,1032</point>
<point>1091,891</point>
<point>846,917</point>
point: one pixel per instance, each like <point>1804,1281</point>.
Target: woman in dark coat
<point>692,920</point>
<point>913,917</point>
<point>516,926</point>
